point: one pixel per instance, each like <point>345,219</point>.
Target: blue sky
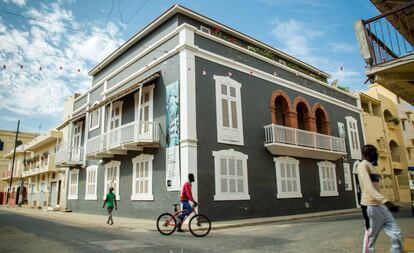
<point>48,47</point>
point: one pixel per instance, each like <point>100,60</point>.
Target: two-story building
<point>17,193</point>
<point>7,143</point>
<point>262,131</point>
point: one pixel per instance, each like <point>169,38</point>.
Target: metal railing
<point>133,132</point>
<point>301,138</point>
<point>385,41</point>
<point>69,154</point>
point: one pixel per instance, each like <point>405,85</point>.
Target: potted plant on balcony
<point>394,120</point>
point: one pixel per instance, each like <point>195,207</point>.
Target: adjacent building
<point>262,131</point>
<point>7,142</point>
<point>398,137</point>
<point>386,43</point>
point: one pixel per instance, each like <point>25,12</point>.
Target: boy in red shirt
<point>186,195</point>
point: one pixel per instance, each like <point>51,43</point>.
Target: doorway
<point>53,194</point>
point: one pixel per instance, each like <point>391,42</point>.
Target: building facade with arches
<point>389,126</point>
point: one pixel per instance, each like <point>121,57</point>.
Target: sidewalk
<point>146,225</point>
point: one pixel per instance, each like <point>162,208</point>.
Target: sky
<point>48,47</point>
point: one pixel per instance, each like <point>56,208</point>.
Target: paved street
<point>329,234</point>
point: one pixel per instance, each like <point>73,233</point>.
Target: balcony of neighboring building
<point>391,121</point>
<point>387,45</point>
<point>131,136</point>
<point>69,156</point>
<point>39,164</point>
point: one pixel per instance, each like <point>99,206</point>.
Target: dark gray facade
<point>255,96</point>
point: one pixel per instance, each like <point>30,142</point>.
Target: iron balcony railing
<point>133,132</point>
<point>301,138</point>
<point>383,33</point>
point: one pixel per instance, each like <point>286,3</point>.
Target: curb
<point>215,225</point>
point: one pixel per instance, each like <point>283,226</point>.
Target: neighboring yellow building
<point>376,134</point>
<point>7,139</point>
<point>394,139</point>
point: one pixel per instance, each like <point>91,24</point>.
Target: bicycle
<point>199,224</point>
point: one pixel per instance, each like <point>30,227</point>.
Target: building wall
<point>255,97</point>
<point>162,198</point>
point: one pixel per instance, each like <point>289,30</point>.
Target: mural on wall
<point>173,137</point>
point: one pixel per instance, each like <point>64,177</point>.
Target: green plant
<point>344,88</point>
<point>394,120</point>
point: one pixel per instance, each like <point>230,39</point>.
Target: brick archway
<point>289,117</point>
<point>308,119</point>
<point>321,117</point>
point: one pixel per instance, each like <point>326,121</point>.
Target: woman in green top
<point>109,201</point>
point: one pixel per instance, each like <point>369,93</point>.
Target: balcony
<point>69,156</point>
<point>131,136</point>
<point>43,166</point>
<point>396,162</point>
<point>281,140</point>
<point>387,45</point>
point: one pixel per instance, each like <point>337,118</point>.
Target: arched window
<point>321,119</point>
<point>304,119</point>
<point>395,151</point>
<point>388,116</point>
<point>280,106</point>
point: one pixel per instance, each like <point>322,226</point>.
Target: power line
<point>133,15</point>
<point>50,23</point>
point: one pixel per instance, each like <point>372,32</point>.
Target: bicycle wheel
<point>200,225</point>
<point>166,224</point>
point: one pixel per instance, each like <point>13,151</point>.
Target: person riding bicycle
<point>186,196</point>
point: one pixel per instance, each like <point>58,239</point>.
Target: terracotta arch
<point>321,117</point>
<point>289,117</point>
<point>308,119</point>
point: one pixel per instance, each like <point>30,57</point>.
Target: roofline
<point>183,10</point>
<point>368,97</point>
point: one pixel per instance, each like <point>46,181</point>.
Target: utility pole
<point>12,169</point>
<point>21,180</point>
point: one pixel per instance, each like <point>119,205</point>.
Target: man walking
<point>109,201</point>
<point>378,207</point>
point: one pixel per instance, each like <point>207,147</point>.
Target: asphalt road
<point>330,234</point>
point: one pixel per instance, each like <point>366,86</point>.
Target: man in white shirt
<point>378,207</point>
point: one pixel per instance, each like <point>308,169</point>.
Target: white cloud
<point>339,47</point>
<point>59,52</point>
<point>295,37</point>
<point>16,2</point>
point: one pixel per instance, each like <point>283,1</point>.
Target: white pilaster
<point>188,131</point>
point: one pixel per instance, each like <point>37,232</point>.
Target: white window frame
<point>97,114</point>
<point>226,154</point>
<point>72,173</point>
<point>145,89</point>
<point>352,127</point>
<point>117,165</point>
<point>279,180</point>
<point>142,158</point>
<point>332,167</point>
<point>229,135</point>
<point>90,169</point>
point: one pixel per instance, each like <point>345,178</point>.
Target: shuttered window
<point>231,175</point>
<point>112,178</point>
<point>142,177</point>
<point>91,180</point>
<point>327,179</point>
<point>73,184</point>
<point>287,177</point>
<point>229,111</point>
<point>353,138</point>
